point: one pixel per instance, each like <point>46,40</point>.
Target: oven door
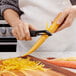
<point>7,41</point>
<point>8,45</point>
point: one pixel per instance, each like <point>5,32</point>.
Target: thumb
<point>31,27</point>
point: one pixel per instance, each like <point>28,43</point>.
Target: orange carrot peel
<point>67,64</point>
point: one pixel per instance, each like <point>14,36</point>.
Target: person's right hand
<point>21,31</point>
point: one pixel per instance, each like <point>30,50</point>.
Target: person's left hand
<point>67,18</point>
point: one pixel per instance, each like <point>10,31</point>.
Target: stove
<point>7,41</point>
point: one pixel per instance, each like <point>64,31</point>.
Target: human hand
<point>21,31</point>
<point>68,15</point>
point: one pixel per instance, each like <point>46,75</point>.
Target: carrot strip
<point>66,59</point>
<point>67,64</point>
<point>42,39</point>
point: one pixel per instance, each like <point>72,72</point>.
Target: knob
<point>3,30</point>
<point>9,32</point>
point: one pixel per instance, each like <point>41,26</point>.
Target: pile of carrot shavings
<point>21,64</point>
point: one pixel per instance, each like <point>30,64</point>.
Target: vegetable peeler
<point>42,39</point>
<point>40,32</point>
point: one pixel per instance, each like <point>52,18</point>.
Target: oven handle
<point>9,43</point>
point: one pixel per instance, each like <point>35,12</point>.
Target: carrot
<point>67,64</point>
<point>66,59</point>
<point>42,39</point>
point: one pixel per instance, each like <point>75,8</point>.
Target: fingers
<point>31,27</point>
<point>26,32</point>
<point>66,23</point>
<point>15,34</point>
<point>62,18</point>
<point>67,18</point>
<point>21,31</point>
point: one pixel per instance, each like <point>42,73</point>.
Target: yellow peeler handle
<point>42,38</point>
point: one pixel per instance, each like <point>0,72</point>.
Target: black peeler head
<point>40,32</point>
